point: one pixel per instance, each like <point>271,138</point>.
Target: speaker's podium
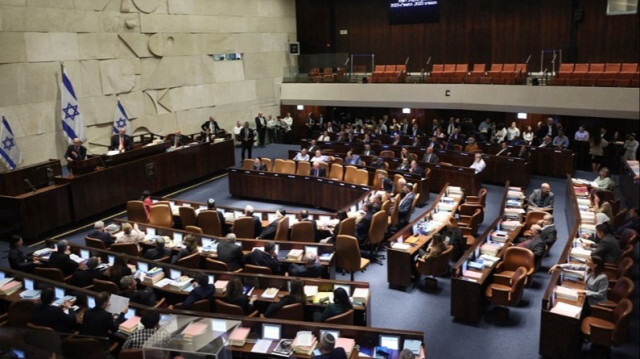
<point>85,166</point>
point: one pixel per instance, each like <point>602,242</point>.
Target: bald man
<point>121,142</point>
<point>541,199</point>
<point>76,152</point>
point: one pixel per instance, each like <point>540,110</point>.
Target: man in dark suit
<point>453,236</point>
<point>97,322</point>
<point>47,315</point>
<point>548,232</point>
<point>434,144</point>
<point>17,259</point>
<point>607,247</point>
<point>456,136</point>
<point>363,225</point>
<point>100,233</point>
<point>84,277</point>
<point>129,289</point>
<point>549,129</point>
<point>61,259</point>
<point>230,253</point>
<point>269,232</point>
<point>159,251</point>
<point>177,140</point>
<point>416,141</point>
<point>313,147</point>
<point>367,150</point>
<point>404,207</point>
<point>430,157</point>
<point>387,183</point>
<point>504,150</point>
<point>535,244</point>
<point>202,290</point>
<point>415,169</point>
<point>415,131</point>
<point>76,152</point>
<point>246,140</point>
<point>267,258</point>
<point>318,171</point>
<point>261,127</point>
<point>397,141</point>
<point>209,129</point>
<point>310,269</point>
<point>257,223</point>
<point>121,142</point>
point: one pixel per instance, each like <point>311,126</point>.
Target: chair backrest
<point>389,68</point>
<point>437,68</point>
<point>348,226</point>
<point>345,318</point>
<point>629,237</point>
<point>482,196</point>
<point>210,223</point>
<point>282,230</point>
<point>289,167</point>
<point>379,68</point>
<point>394,210</point>
<point>462,68</point>
<point>521,68</point>
<point>532,218</point>
<point>267,163</point>
<point>619,218</point>
<point>479,68</point>
<point>132,353</point>
<point>223,307</point>
<point>337,160</point>
<point>126,248</point>
<point>20,313</point>
<point>136,212</point>
<point>378,228</point>
<point>415,200</point>
<point>387,154</point>
<point>50,273</point>
<point>629,67</point>
<point>566,68</point>
<point>581,68</point>
<point>509,68</point>
<point>193,229</point>
<point>496,67</point>
<point>108,286</point>
<point>302,232</point>
<point>350,174</point>
<point>304,168</point>
<point>278,165</point>
<point>377,183</point>
<point>243,227</point>
<point>516,257</point>
<point>201,305</point>
<point>247,164</point>
<point>161,215</point>
<point>337,171</point>
<point>187,215</point>
<point>517,285</point>
<point>622,289</point>
<point>620,316</point>
<point>396,179</point>
<point>83,348</point>
<point>362,177</point>
<point>191,261</point>
<point>449,68</point>
<point>290,312</point>
<point>94,243</point>
<point>250,268</point>
<point>347,253</point>
<point>325,166</point>
<point>217,265</point>
<point>597,67</point>
<point>624,267</point>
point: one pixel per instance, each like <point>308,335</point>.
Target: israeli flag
<point>9,152</point>
<point>120,119</point>
<point>72,124</point>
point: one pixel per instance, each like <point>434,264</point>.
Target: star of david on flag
<point>120,119</point>
<point>9,152</point>
<point>72,124</point>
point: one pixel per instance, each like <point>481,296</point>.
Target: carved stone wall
<point>155,55</point>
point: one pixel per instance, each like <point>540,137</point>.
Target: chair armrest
<point>254,314</point>
<point>502,279</point>
<point>472,199</point>
<point>89,287</point>
<point>68,278</point>
<point>464,220</point>
<point>465,230</point>
<point>600,335</point>
<point>160,303</point>
<point>601,312</point>
<point>499,266</point>
<point>500,295</point>
<point>238,270</point>
<point>113,347</point>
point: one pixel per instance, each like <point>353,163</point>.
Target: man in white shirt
<point>287,125</point>
<point>581,135</point>
<point>302,155</point>
<point>478,164</point>
<point>319,157</point>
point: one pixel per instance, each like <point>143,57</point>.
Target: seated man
<point>387,183</point>
<point>396,140</point>
<point>548,231</point>
<point>317,170</point>
<point>327,348</point>
<point>478,164</point>
<point>121,141</point>
<point>159,251</point>
<point>404,207</point>
<point>541,199</point>
<point>535,244</point>
<point>430,157</point>
<point>606,246</point>
<point>363,224</point>
<point>416,141</point>
<point>224,227</point>
<point>97,322</point>
<point>310,269</point>
<point>269,232</point>
<point>632,222</point>
<point>313,147</point>
<point>150,320</point>
<point>377,162</point>
<point>415,169</point>
<point>100,233</point>
<point>129,289</point>
<point>561,141</point>
<point>202,289</point>
<point>258,165</point>
<point>76,151</point>
<point>230,253</point>
<point>352,159</point>
<point>367,150</point>
<point>604,181</point>
<point>504,149</point>
<point>257,223</point>
<point>302,155</point>
<point>304,217</point>
<point>84,277</point>
<point>405,166</point>
<point>319,157</point>
<point>54,317</point>
<point>546,142</point>
<point>61,259</point>
<point>17,259</point>
<point>267,258</point>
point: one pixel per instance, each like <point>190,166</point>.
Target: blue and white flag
<point>121,120</point>
<point>9,152</point>
<point>72,124</point>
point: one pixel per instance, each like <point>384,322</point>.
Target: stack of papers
<point>130,325</point>
<point>490,248</point>
<point>347,344</point>
<point>567,310</point>
<point>400,246</point>
<point>304,343</point>
<point>153,276</point>
<point>192,330</point>
<point>566,293</point>
<point>310,291</point>
<point>221,286</point>
<point>270,293</point>
<point>238,336</point>
<point>295,255</point>
<point>11,286</point>
<point>323,297</point>
<point>580,254</point>
<point>361,295</point>
<point>510,225</point>
<point>499,236</point>
<point>180,283</point>
<point>472,274</point>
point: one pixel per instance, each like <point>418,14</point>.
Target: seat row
<point>597,74</point>
<point>389,73</point>
<point>349,174</point>
<point>327,75</point>
<point>459,73</point>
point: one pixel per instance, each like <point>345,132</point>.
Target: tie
<point>429,158</point>
<point>175,141</point>
<point>122,143</point>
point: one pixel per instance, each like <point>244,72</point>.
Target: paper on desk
<point>261,346</point>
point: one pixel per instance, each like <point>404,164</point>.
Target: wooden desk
<point>545,161</point>
<point>301,190</point>
<point>12,183</point>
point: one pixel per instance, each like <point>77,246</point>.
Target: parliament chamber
<point>319,179</point>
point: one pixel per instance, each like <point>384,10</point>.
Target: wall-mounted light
<point>300,107</point>
<point>522,115</point>
<point>406,110</point>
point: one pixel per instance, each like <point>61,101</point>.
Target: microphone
<point>50,180</point>
<point>553,61</point>
<point>528,58</point>
<point>33,188</point>
<point>429,60</point>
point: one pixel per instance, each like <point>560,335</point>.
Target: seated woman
<point>190,246</point>
<point>296,295</point>
<point>435,249</point>
<point>341,304</point>
<point>595,278</point>
<point>600,205</point>
<point>324,137</point>
<point>604,181</point>
<point>118,269</point>
<point>235,295</point>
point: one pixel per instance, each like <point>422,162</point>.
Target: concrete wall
<point>154,54</point>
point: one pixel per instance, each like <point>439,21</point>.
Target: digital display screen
<point>59,292</point>
<point>28,284</point>
<point>91,302</point>
<point>413,11</point>
<point>130,313</point>
<point>206,242</point>
<point>111,259</point>
<point>390,342</point>
<point>174,274</point>
<point>143,267</point>
<point>84,254</point>
<point>271,331</point>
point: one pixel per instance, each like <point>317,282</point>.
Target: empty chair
<point>20,313</point>
<point>393,217</point>
<point>126,248</point>
<point>377,230</point>
<point>595,70</point>
<point>345,318</point>
<point>623,289</point>
<point>350,174</point>
<point>250,268</point>
<point>469,209</point>
<point>337,171</point>
<point>161,216</point>
<point>348,226</point>
<point>434,266</point>
<point>136,212</point>
<point>94,243</point>
<point>348,255</point>
<point>472,222</point>
<point>623,269</point>
<point>247,164</point>
<point>52,273</point>
<point>514,258</point>
<point>187,216</point>
<point>108,286</point>
<point>304,168</point>
<point>611,70</point>
<point>209,222</point>
<point>495,70</point>
<point>436,73</point>
<point>223,307</point>
<point>314,74</point>
<point>387,154</point>
<point>243,227</point>
<point>362,177</point>
<point>506,291</point>
<point>282,230</point>
<point>193,229</point>
<point>191,261</point>
<point>290,312</point>
<point>289,167</point>
<point>508,71</point>
<point>579,71</point>
<point>628,71</point>
<point>278,165</point>
<point>480,198</point>
<point>606,327</point>
<point>135,353</point>
<point>217,265</point>
<point>565,70</point>
<point>302,232</point>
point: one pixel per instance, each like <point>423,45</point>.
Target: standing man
<point>261,127</point>
<point>246,139</point>
<point>121,142</point>
<point>209,129</point>
<point>287,125</point>
<point>76,152</point>
<point>309,123</point>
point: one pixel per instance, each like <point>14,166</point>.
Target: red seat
<point>628,71</point>
<point>595,71</point>
<point>495,70</point>
<point>611,71</point>
<point>565,70</point>
<point>580,71</point>
<point>508,71</point>
<point>604,82</point>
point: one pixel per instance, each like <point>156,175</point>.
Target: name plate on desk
<point>341,184</point>
<point>353,186</point>
<point>464,154</point>
<point>364,188</point>
<point>234,170</point>
<point>292,176</point>
<point>276,175</point>
<point>330,182</point>
<point>247,172</point>
<point>460,168</point>
<point>510,159</point>
<point>319,180</point>
<point>557,151</point>
<point>261,173</point>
